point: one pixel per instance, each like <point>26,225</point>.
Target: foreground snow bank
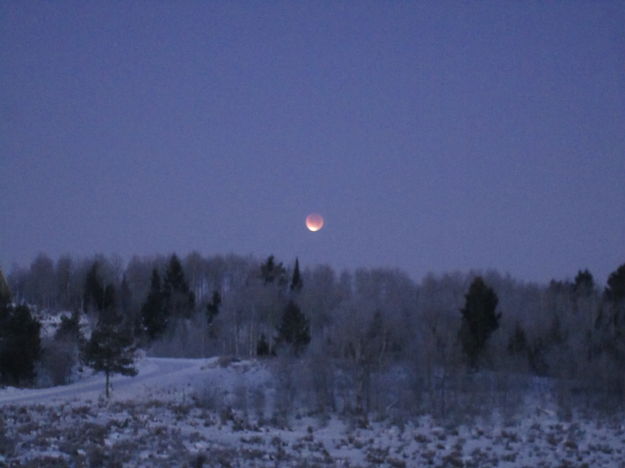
<point>169,433</point>
<point>179,412</point>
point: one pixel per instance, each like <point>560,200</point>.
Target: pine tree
<point>111,352</point>
<point>611,328</point>
<point>20,344</point>
<point>272,272</point>
<point>584,284</point>
<point>212,308</point>
<point>296,281</point>
<point>125,297</point>
<point>517,343</point>
<point>262,347</point>
<point>93,291</point>
<point>179,299</point>
<point>63,352</point>
<point>109,301</point>
<point>69,329</point>
<point>615,289</point>
<point>294,329</point>
<point>111,348</point>
<point>153,313</point>
<point>479,319</point>
<point>5,293</point>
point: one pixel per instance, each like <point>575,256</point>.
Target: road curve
<point>153,373</point>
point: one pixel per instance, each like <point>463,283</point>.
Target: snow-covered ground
<point>156,375</point>
<point>175,412</point>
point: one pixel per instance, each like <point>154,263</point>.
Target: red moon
<point>314,222</point>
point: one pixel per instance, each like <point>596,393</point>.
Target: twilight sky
<point>432,136</point>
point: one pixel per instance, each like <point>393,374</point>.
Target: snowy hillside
<point>182,412</point>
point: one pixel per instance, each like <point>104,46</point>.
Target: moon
<point>314,222</point>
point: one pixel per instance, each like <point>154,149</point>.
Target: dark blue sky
<point>432,136</point>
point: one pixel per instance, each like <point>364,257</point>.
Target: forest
<point>367,343</point>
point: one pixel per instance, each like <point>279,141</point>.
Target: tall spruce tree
<point>294,329</point>
<point>615,289</point>
<point>479,319</point>
<point>93,297</point>
<point>584,284</point>
<point>5,293</point>
<point>272,272</point>
<point>296,281</point>
<point>153,313</point>
<point>69,329</point>
<point>111,348</point>
<point>262,346</point>
<point>611,320</point>
<point>125,298</point>
<point>179,299</point>
<point>212,308</point>
<point>20,343</point>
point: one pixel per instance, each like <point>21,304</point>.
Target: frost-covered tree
<point>61,354</point>
<point>63,271</point>
<point>42,288</point>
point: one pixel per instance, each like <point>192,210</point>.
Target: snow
<point>178,412</point>
<point>154,374</point>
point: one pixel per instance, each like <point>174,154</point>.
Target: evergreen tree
<point>584,284</point>
<point>110,351</point>
<point>132,321</point>
<point>69,329</point>
<point>5,293</point>
<point>179,299</point>
<point>294,328</point>
<point>212,308</point>
<point>20,344</point>
<point>93,297</point>
<point>262,347</point>
<point>109,301</point>
<point>272,272</point>
<point>111,348</point>
<point>125,297</point>
<point>611,328</point>
<point>153,313</point>
<point>615,289</point>
<point>517,344</point>
<point>63,272</point>
<point>296,281</point>
<point>479,319</point>
<point>63,352</point>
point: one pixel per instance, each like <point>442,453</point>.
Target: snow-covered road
<point>154,374</point>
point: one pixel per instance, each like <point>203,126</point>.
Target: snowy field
<point>176,413</point>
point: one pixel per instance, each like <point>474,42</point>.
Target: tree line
<point>367,320</point>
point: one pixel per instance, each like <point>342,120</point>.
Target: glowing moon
<point>314,222</point>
